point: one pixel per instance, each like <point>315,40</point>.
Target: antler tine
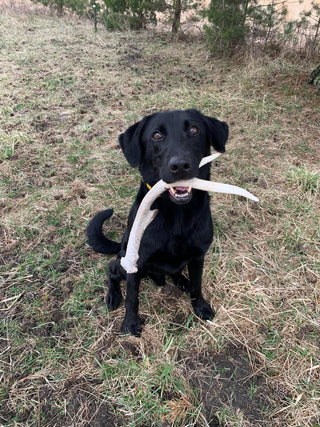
<point>143,218</point>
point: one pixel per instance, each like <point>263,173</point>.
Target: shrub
<point>135,14</point>
<point>240,23</point>
<point>235,24</point>
<point>80,7</point>
<point>227,24</point>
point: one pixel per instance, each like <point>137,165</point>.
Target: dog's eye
<point>193,130</point>
<point>157,135</point>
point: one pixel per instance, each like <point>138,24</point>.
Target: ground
<point>65,95</point>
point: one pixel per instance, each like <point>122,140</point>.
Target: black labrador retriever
<point>169,146</point>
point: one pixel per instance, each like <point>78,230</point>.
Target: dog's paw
<point>132,327</point>
<point>202,309</point>
<point>113,300</point>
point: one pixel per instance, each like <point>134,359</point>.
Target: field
<point>65,95</point>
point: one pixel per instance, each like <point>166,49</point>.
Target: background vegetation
<point>229,25</point>
<point>65,95</point>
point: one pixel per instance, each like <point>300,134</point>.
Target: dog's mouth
<point>180,195</point>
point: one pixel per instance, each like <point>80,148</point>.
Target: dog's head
<point>170,146</point>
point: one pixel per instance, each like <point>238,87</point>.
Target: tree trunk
<point>314,78</point>
<point>177,8</point>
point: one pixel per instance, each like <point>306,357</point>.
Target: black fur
<point>168,146</point>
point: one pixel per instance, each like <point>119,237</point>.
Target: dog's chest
<point>174,254</point>
<point>173,239</point>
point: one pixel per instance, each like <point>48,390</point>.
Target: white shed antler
<point>144,215</point>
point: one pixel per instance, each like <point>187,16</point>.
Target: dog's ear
<point>130,143</point>
<point>218,133</point>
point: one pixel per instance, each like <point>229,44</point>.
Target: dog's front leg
<point>201,308</point>
<point>114,295</point>
<point>131,323</point>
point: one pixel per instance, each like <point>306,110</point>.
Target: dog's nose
<point>179,166</point>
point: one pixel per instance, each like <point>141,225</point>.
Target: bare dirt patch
<point>227,382</point>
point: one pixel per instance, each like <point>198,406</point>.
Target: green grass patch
<point>308,181</point>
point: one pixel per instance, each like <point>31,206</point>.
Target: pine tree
<point>135,14</point>
<point>314,78</point>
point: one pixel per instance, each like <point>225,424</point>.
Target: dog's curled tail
<point>95,236</point>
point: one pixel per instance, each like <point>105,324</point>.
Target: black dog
<point>168,146</point>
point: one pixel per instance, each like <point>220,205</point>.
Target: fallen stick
<point>144,215</point>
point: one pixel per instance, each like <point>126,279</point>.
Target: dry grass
<point>22,7</point>
<point>65,95</point>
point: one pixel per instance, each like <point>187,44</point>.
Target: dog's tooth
<point>173,190</point>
